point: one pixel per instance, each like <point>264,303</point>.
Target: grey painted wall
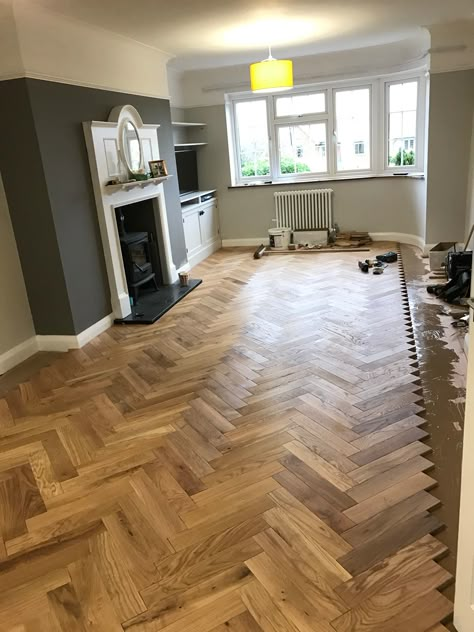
<point>394,204</point>
<point>449,143</point>
<point>28,199</point>
<point>52,114</point>
<point>15,315</point>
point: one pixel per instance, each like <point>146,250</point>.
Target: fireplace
<point>139,246</point>
<point>142,239</point>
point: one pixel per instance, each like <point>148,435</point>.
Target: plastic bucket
<point>279,238</point>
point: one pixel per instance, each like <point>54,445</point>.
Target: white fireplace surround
<point>103,140</point>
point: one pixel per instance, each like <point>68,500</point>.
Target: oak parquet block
<point>286,596</point>
<point>388,446</point>
<point>217,524</point>
<point>390,573</point>
<point>19,500</point>
<point>326,470</point>
<point>386,462</point>
<point>231,504</point>
<point>123,593</point>
<point>222,491</point>
<point>260,605</point>
<point>226,607</point>
<point>378,548</point>
<point>378,524</point>
<point>192,574</point>
<point>416,616</point>
<point>253,462</point>
<point>329,453</point>
<point>188,603</point>
<point>302,574</point>
<point>242,623</point>
<point>314,502</point>
<point>339,500</point>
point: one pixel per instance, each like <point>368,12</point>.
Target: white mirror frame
<point>122,114</point>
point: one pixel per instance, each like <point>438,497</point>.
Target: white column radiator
<point>304,210</point>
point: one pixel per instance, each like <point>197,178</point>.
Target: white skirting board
<point>18,354</point>
<point>26,349</point>
<point>403,238</point>
<point>251,241</point>
<point>64,343</point>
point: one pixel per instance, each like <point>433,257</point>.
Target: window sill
<point>250,185</point>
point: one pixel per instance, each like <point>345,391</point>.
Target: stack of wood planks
<point>353,239</point>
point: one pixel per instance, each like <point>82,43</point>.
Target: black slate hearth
<point>152,305</point>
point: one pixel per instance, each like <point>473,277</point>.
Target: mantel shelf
<point>124,186</point>
<point>186,124</point>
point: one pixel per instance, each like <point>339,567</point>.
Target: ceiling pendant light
<point>271,74</point>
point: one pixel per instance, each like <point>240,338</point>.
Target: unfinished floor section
<point>253,462</point>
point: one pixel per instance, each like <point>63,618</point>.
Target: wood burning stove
<point>138,253</point>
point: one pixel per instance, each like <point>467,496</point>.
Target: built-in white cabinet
<point>201,225</point>
<point>192,234</point>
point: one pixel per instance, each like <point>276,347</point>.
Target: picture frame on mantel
<point>158,168</point>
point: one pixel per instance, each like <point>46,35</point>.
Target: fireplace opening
<point>136,254</point>
<point>139,245</point>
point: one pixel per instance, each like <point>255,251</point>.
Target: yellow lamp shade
<point>271,74</point>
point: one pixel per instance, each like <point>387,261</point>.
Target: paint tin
<point>279,238</point>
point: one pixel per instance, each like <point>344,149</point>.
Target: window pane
<point>301,104</point>
<point>402,115</point>
<point>302,148</point>
<point>353,129</point>
<point>251,122</point>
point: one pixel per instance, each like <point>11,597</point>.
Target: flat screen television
<point>186,164</point>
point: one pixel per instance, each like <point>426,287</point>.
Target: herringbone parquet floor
<point>251,463</point>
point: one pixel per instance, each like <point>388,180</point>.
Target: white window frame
<point>303,119</point>
<point>378,144</point>
<point>235,145</point>
<point>420,125</point>
<point>372,87</point>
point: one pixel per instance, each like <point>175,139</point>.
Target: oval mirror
<point>132,147</point>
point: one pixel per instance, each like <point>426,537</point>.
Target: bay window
<point>340,130</point>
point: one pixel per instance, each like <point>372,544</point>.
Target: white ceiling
<point>212,33</point>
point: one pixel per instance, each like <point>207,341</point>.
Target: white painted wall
<point>175,88</point>
<point>16,324</point>
<point>470,196</point>
<point>58,48</point>
<point>452,46</point>
<point>10,58</point>
<point>207,87</point>
<point>449,145</point>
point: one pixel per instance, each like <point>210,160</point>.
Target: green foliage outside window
<point>262,168</point>
<point>408,158</point>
